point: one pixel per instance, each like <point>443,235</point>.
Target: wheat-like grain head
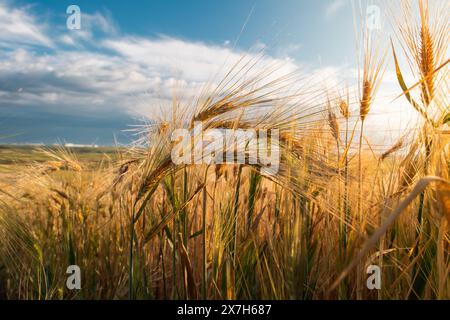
<point>425,43</point>
<point>366,99</point>
<point>343,107</point>
<point>373,69</point>
<point>426,56</point>
<point>334,125</point>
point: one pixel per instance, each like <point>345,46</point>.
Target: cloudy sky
<point>89,85</point>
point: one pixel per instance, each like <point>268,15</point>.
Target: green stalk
<point>130,261</point>
<point>235,214</point>
<point>184,211</point>
<point>204,272</point>
<point>420,275</point>
<point>346,208</point>
<point>360,214</point>
<point>255,179</point>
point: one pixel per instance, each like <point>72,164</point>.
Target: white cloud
<point>334,6</point>
<point>19,27</point>
<point>134,74</point>
<point>102,21</point>
<point>173,57</point>
<point>287,51</point>
<point>98,70</point>
<point>92,26</point>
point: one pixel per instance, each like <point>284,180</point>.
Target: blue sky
<point>87,86</point>
<point>313,26</point>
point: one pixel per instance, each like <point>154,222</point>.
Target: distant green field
<point>14,156</point>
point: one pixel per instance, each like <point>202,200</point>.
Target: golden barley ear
<point>343,107</point>
<point>395,147</point>
<point>425,43</point>
<point>366,99</point>
<point>404,87</point>
<point>334,125</point>
<point>426,56</point>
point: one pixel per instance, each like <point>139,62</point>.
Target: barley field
<point>140,226</point>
